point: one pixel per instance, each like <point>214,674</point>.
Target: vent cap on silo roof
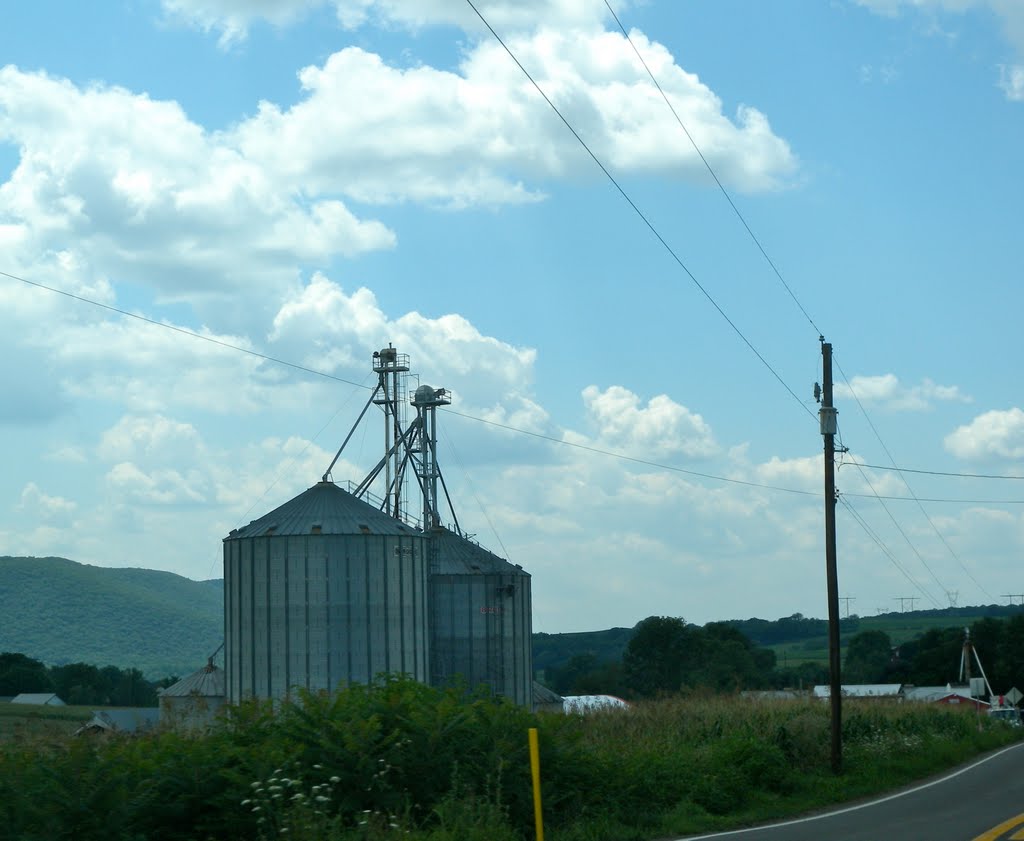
<point>328,507</point>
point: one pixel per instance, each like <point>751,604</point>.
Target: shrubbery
<point>399,759</point>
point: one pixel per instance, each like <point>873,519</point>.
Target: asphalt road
<point>982,801</point>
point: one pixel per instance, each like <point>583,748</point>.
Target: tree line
<point>667,655</point>
<point>79,683</point>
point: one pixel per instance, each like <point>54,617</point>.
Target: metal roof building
<point>194,701</point>
<point>322,591</point>
<point>43,699</point>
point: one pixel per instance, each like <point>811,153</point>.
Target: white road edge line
<point>859,806</point>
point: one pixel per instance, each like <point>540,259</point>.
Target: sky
<point>626,313</point>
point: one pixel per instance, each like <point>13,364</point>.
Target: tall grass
<point>401,759</point>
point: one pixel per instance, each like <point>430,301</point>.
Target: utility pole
<point>827,417</point>
<point>1012,596</point>
<point>846,603</point>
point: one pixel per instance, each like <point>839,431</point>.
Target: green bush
<point>399,759</point>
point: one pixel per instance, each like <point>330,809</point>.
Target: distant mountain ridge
<point>60,611</point>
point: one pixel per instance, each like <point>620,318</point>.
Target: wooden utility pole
<point>827,416</point>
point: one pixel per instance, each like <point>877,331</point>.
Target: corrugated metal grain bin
<point>481,619</point>
<point>324,590</point>
<point>194,701</point>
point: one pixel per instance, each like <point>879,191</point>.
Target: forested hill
<point>59,611</point>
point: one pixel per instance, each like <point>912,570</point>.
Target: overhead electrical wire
<point>472,489</point>
<point>181,330</point>
<point>714,175</point>
<point>663,242</point>
<point>561,441</point>
<point>885,549</point>
<point>900,529</point>
<point>957,501</point>
<point>633,459</point>
<point>788,289</point>
<point>268,358</point>
<point>937,472</point>
<point>642,216</point>
<point>910,490</point>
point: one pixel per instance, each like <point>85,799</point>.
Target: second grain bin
<point>480,617</point>
<point>323,591</point>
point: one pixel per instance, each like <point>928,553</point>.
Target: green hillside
<point>59,611</point>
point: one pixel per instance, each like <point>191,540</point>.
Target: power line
<point>903,478</point>
<point>940,499</point>
<point>936,472</point>
<point>714,175</point>
<point>899,528</point>
<point>274,359</point>
<point>640,213</point>
<point>885,549</point>
<point>181,330</point>
<point>782,280</point>
<point>633,459</point>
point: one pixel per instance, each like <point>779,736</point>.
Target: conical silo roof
<point>323,509</point>
<point>208,682</point>
<point>458,555</point>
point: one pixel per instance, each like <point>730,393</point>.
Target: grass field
<point>23,723</point>
<point>899,628</point>
<point>403,760</point>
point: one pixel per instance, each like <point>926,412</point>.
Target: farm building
<point>194,701</point>
<point>891,691</point>
<point>129,720</point>
<point>42,699</point>
<point>339,586</point>
<point>949,695</point>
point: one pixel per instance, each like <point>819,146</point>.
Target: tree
<point>662,655</point>
<point>19,673</point>
<point>868,655</point>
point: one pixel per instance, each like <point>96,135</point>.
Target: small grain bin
<point>480,612</point>
<point>324,591</point>
<point>193,702</point>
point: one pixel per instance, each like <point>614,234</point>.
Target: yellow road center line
<point>998,831</point>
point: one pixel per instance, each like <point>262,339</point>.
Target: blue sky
<point>313,179</point>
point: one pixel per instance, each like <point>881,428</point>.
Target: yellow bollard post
<point>535,769</point>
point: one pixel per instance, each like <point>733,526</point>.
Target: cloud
<point>117,184</point>
<point>149,437</point>
<point>165,486</point>
<point>993,435</point>
<point>660,429</point>
<point>1010,14</point>
<point>334,331</point>
<point>41,508</point>
<point>886,391</point>
<point>476,137</point>
<point>1011,80</point>
<point>232,18</point>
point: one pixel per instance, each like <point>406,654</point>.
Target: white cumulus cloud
<point>997,434</point>
<point>660,428</point>
<point>887,391</point>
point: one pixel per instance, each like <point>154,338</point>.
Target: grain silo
<point>480,604</point>
<point>330,589</point>
<point>192,704</point>
<point>322,591</point>
<point>480,618</point>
